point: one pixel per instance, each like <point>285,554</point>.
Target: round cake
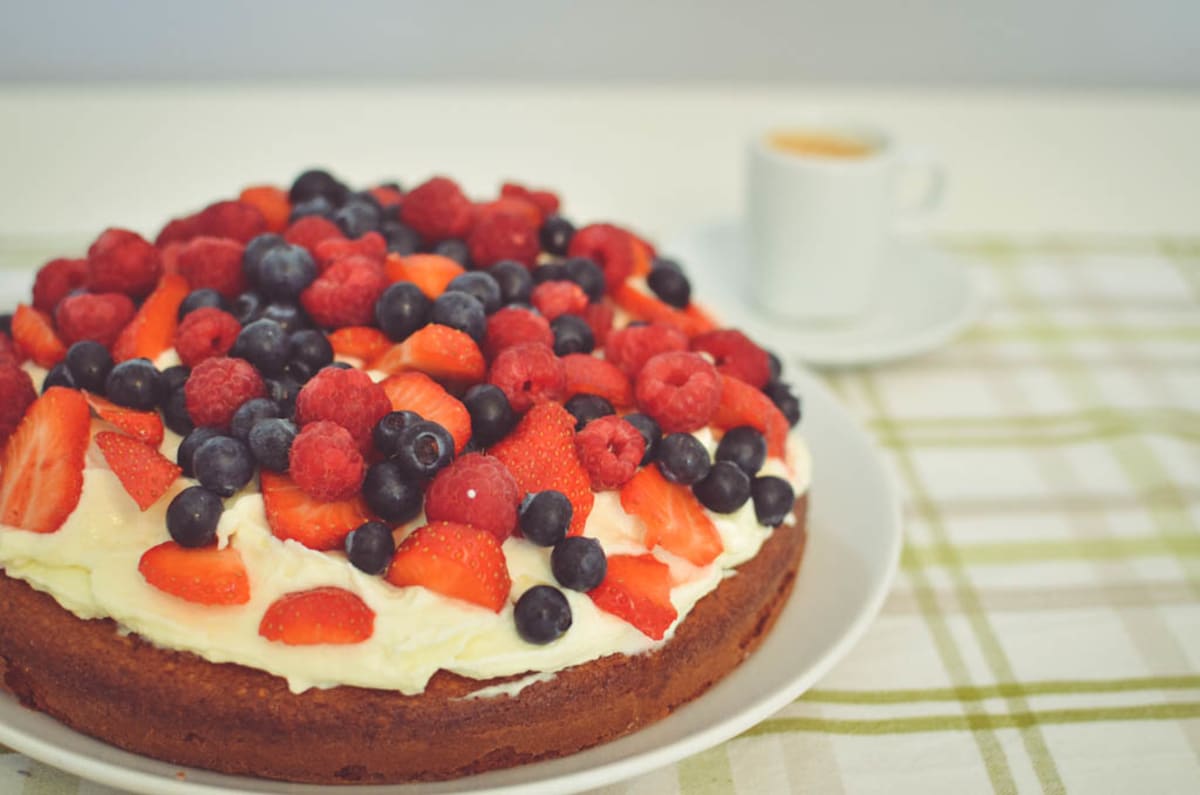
<point>370,487</point>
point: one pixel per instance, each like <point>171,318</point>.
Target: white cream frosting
<point>90,567</point>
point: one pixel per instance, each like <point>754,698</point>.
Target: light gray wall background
<point>1059,43</point>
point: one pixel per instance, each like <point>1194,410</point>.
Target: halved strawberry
<point>204,575</point>
<point>415,391</point>
<point>41,468</point>
<point>361,342</point>
<point>272,202</point>
<point>540,454</point>
<point>742,404</point>
<point>691,320</point>
<point>318,616</point>
<point>430,272</point>
<point>35,338</point>
<point>637,589</point>
<point>441,352</point>
<point>455,560</point>
<point>145,426</point>
<point>675,520</point>
<point>152,329</point>
<point>588,375</point>
<point>145,473</point>
<point>317,525</point>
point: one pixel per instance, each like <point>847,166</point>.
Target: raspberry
<point>546,202</point>
<point>371,245</point>
<point>437,209</point>
<point>511,205</point>
<point>610,449</point>
<point>599,317</point>
<point>629,348</point>
<point>736,355</point>
<point>500,236</point>
<point>478,490</point>
<point>311,230</point>
<point>214,262</point>
<point>527,374</point>
<point>611,247</point>
<point>348,397</point>
<point>587,375</point>
<point>236,220</point>
<point>55,280</point>
<point>679,390</point>
<point>120,261</point>
<point>345,294</point>
<point>19,394</point>
<point>554,299</point>
<point>178,230</point>
<point>205,333</point>
<point>325,462</point>
<point>217,387</point>
<point>512,325</point>
<point>88,316</point>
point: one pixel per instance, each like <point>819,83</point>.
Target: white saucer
<point>926,299</point>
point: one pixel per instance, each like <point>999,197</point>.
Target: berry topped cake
<point>337,486</point>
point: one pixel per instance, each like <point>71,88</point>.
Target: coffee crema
<point>817,144</point>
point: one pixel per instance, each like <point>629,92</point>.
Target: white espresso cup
<point>823,205</point>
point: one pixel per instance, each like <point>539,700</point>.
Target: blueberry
<point>479,284</point>
<point>545,516</point>
<point>283,391</point>
<point>364,197</point>
<point>270,441</point>
<point>572,334</point>
<point>401,310</point>
<point>175,377</point>
<point>357,217</point>
<point>456,250</point>
<point>423,448</point>
<point>667,281</point>
<point>200,299</point>
<point>550,272</point>
<point>401,238</point>
<point>386,433</point>
<point>308,350</point>
<point>579,563</point>
<point>774,498</point>
<point>585,408</point>
<point>192,517</point>
<point>246,308</point>
<point>317,182</point>
<point>370,547</point>
<point>264,344</point>
<point>223,465</point>
<point>774,365</point>
<point>514,279</point>
<point>135,384</point>
<point>724,489</point>
<point>781,395</point>
<point>491,414</point>
<point>461,311</point>
<point>744,446</point>
<point>555,235</point>
<point>255,250</point>
<point>650,431</point>
<point>186,454</point>
<point>6,323</point>
<point>89,364</point>
<point>289,316</point>
<point>542,614</point>
<point>392,496</point>
<point>284,273</point>
<point>588,275</point>
<point>249,413</point>
<point>317,205</point>
<point>682,459</point>
<point>175,413</point>
<point>59,375</point>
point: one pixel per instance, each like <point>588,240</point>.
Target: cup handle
<point>915,215</point>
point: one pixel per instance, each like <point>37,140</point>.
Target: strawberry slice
<point>430,272</point>
<point>361,342</point>
<point>272,202</point>
<point>415,391</point>
<point>317,525</point>
<point>204,575</point>
<point>318,616</point>
<point>41,469</point>
<point>152,329</point>
<point>742,404</point>
<point>145,473</point>
<point>540,454</point>
<point>637,589</point>
<point>588,375</point>
<point>455,560</point>
<point>35,338</point>
<point>692,320</point>
<point>145,426</point>
<point>675,520</point>
<point>444,353</point>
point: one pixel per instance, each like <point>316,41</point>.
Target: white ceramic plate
<point>853,547</point>
<point>926,298</point>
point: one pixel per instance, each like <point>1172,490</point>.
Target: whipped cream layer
<point>90,567</point>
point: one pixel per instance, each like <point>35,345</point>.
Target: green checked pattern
<point>1043,634</point>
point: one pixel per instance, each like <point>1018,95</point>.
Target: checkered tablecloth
<point>1043,634</point>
